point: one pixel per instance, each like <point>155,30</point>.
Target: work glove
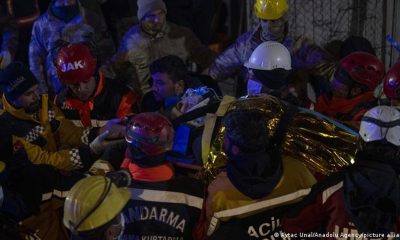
<point>115,128</point>
<point>100,143</point>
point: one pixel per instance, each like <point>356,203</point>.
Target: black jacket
<point>163,209</point>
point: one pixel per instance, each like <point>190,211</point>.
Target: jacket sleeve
<point>68,159</point>
<point>70,135</point>
<point>37,57</point>
<point>9,35</point>
<point>125,68</point>
<point>128,105</point>
<point>308,55</point>
<point>199,53</point>
<point>231,60</point>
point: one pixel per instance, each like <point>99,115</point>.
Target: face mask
<point>65,13</point>
<point>253,87</point>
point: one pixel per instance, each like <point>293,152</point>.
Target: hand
<point>5,59</point>
<point>98,145</point>
<point>115,129</point>
<point>205,71</point>
<point>182,106</point>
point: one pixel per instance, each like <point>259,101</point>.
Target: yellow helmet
<point>270,9</point>
<point>93,202</point>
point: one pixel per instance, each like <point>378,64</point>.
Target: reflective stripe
<point>166,197</point>
<point>56,193</point>
<point>254,207</point>
<point>94,123</point>
<point>85,136</point>
<point>328,192</point>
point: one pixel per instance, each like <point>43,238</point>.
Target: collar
<point>333,107</point>
<point>160,173</point>
<point>85,108</point>
<point>161,34</point>
<point>20,112</point>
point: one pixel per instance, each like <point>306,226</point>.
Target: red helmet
<point>391,82</point>
<point>151,132</point>
<point>75,63</point>
<point>363,68</point>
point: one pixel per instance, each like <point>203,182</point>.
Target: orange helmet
<point>75,63</point>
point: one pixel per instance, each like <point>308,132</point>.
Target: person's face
<point>255,87</point>
<point>164,87</point>
<point>274,29</point>
<point>59,3</point>
<point>116,229</point>
<point>29,100</point>
<point>154,20</point>
<point>341,90</point>
<point>85,89</point>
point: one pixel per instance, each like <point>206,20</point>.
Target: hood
<point>372,196</point>
<point>254,174</point>
<point>19,113</point>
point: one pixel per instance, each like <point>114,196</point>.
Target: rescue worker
<point>351,91</point>
<point>273,26</point>
<point>65,20</point>
<point>255,174</point>
<point>89,99</point>
<point>162,205</point>
<point>31,195</point>
<point>153,38</point>
<point>41,128</point>
<point>93,208</point>
<point>269,68</point>
<point>365,197</point>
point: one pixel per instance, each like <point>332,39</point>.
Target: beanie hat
<point>16,79</point>
<point>147,6</point>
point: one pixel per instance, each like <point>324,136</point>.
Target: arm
<point>71,135</point>
<point>124,64</point>
<point>128,105</point>
<point>9,35</point>
<point>68,159</point>
<point>9,32</point>
<point>199,53</point>
<point>310,56</point>
<point>37,57</point>
<point>231,60</point>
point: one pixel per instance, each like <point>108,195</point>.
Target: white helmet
<point>381,122</point>
<point>269,56</point>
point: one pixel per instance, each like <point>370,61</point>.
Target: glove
<point>115,129</point>
<point>100,143</point>
<point>100,168</point>
<point>5,59</point>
